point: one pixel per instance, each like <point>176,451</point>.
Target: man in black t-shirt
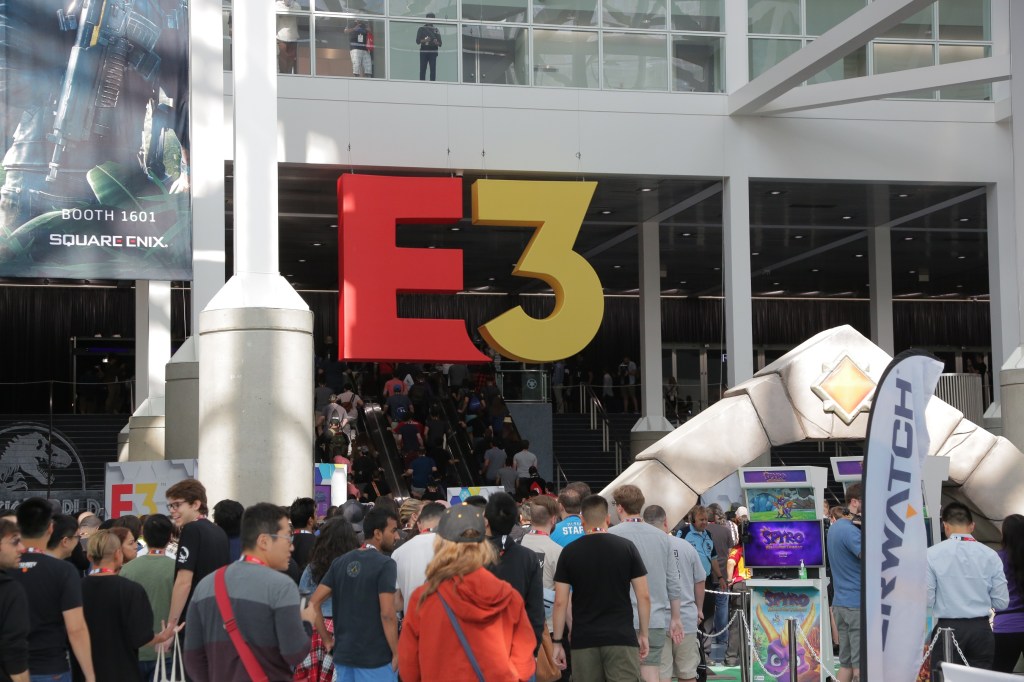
<point>429,40</point>
<point>600,568</point>
<point>302,514</point>
<point>14,621</point>
<point>54,591</point>
<point>202,547</point>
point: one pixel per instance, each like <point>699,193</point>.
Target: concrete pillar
<point>1005,257</point>
<point>652,425</point>
<point>207,183</point>
<point>256,334</point>
<point>735,19</point>
<point>880,274</point>
<point>152,351</point>
<point>739,324</point>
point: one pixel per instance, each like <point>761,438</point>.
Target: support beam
<point>147,425</point>
<point>896,84</point>
<point>880,274</point>
<point>651,379</point>
<point>739,323</point>
<point>876,18</point>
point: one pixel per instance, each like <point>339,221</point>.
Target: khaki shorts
<point>681,660</point>
<point>362,63</point>
<point>656,639</point>
<point>606,664</point>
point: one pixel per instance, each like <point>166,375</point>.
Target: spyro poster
<point>769,609</point>
<point>781,504</point>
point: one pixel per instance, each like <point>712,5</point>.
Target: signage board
<point>138,487</point>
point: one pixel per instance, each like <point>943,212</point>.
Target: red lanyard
<point>253,560</point>
<point>633,519</point>
<point>156,552</point>
<point>369,546</point>
<point>964,538</point>
<point>539,532</point>
<point>32,550</point>
<point>595,530</point>
<point>102,571</point>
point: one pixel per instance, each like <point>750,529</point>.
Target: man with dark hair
<point>361,585</point>
<point>414,555</point>
<point>844,550</point>
<point>600,569</point>
<point>429,40</point>
<point>721,536</point>
<point>303,517</point>
<point>517,565</point>
<point>54,590</point>
<point>14,618</point>
<point>571,526</point>
<point>155,572</point>
<point>227,514</point>
<point>522,462</point>
<point>664,625</point>
<point>264,601</point>
<point>202,547</point>
<point>64,538</point>
<point>965,582</point>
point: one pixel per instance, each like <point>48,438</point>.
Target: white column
<point>1005,258</point>
<point>256,334</point>
<point>739,323</point>
<point>736,45</point>
<point>206,158</point>
<point>152,352</point>
<point>880,274</point>
<point>652,420</point>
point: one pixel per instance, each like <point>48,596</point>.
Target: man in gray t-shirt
<point>682,659</point>
<point>662,577</point>
<point>494,460</point>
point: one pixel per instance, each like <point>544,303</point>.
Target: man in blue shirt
<point>965,582</point>
<point>571,526</point>
<point>420,471</point>
<point>844,549</point>
<point>702,541</point>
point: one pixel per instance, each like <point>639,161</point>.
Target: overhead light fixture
<point>317,244</point>
<point>904,196</point>
<point>617,267</point>
<point>646,189</point>
<point>717,269</point>
<point>959,286</point>
<point>456,229</point>
<point>686,234</point>
<point>964,220</point>
<point>858,255</point>
<point>756,253</point>
<point>334,225</point>
<point>606,212</point>
<point>490,279</point>
<point>847,217</point>
<point>431,247</point>
<point>775,192</point>
<point>775,284</point>
<point>302,260</point>
<point>961,257</point>
<point>683,282</point>
<point>908,239</point>
<point>911,272</point>
<point>798,236</point>
<point>815,270</point>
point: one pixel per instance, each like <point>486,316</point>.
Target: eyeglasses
<point>173,506</point>
<point>289,538</point>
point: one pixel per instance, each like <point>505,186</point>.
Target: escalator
<point>460,446</point>
<point>388,457</point>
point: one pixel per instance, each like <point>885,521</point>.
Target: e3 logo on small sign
<point>373,270</point>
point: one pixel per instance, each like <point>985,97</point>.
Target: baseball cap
<point>742,511</point>
<point>464,523</point>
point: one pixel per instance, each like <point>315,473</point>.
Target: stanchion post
<point>792,643</point>
<point>744,650</point>
<point>947,648</point>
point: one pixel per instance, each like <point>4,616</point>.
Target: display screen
<point>784,543</point>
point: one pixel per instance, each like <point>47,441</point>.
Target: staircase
<point>578,448</point>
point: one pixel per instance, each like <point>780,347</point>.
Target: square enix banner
<point>94,125</point>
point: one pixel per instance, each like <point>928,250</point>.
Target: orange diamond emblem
<point>845,389</point>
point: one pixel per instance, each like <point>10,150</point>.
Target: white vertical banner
<point>894,594</point>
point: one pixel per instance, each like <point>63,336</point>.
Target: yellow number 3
<point>555,210</point>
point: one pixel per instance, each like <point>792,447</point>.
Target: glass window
<point>852,65</point>
<point>825,14</point>
<point>565,12</point>
<point>776,17</point>
<point>948,54</point>
<point>349,6</point>
<point>291,5</point>
<point>410,61</point>
<point>698,64</point>
<point>441,9</point>
<point>293,43</point>
<point>335,39</point>
<point>495,10</point>
<point>696,15</point>
<point>495,54</point>
<point>226,18</point>
<point>635,61</point>
<point>917,27</point>
<point>565,58</point>
<point>891,57</point>
<point>965,20</point>
<point>633,13</point>
<point>766,53</point>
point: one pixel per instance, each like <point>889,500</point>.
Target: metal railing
<point>389,458</point>
<point>599,420</point>
<point>458,443</point>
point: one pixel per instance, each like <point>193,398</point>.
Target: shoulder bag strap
<point>220,590</point>
<point>462,638</point>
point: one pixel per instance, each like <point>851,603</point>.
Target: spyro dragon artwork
<point>775,658</point>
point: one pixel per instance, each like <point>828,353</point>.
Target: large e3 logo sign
<point>373,270</point>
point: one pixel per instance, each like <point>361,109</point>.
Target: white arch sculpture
<point>790,401</point>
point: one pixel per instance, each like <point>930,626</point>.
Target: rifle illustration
<point>113,36</point>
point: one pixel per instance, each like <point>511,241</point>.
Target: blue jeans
<point>349,674</point>
<point>147,668</point>
<point>721,643</point>
<point>53,677</point>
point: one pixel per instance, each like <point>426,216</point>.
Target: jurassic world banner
<point>94,126</point>
<point>65,463</point>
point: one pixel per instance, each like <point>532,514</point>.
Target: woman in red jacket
<point>489,612</point>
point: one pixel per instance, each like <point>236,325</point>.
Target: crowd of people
<point>489,589</point>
